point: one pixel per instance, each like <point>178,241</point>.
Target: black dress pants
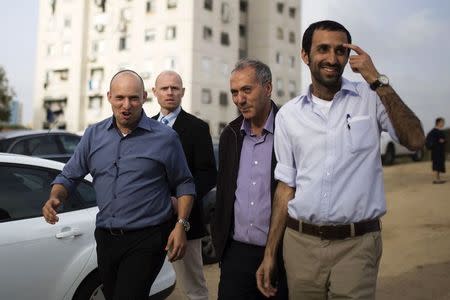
<point>238,273</point>
<point>129,261</point>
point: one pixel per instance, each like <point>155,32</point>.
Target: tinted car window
<point>24,190</point>
<point>41,145</point>
<point>69,142</point>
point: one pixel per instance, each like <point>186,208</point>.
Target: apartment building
<point>83,43</point>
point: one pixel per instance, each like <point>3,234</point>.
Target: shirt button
<point>325,195</point>
<point>328,173</point>
<point>251,224</point>
<point>256,162</point>
<point>254,182</point>
<point>251,203</point>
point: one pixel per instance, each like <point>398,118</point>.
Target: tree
<point>6,95</point>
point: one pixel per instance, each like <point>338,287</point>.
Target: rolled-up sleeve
<point>179,177</point>
<point>285,170</point>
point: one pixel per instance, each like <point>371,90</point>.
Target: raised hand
<point>362,63</point>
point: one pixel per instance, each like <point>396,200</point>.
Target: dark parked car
<point>55,145</point>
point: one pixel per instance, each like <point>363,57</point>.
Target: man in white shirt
<point>330,193</point>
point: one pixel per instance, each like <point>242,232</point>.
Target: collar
<point>268,125</point>
<point>347,86</point>
<point>143,123</point>
<point>170,116</point>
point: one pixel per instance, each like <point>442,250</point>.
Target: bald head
<point>169,91</point>
<point>123,73</point>
<point>169,73</point>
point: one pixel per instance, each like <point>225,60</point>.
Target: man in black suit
<point>197,145</point>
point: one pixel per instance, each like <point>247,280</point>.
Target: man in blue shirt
<point>136,163</point>
<point>330,193</point>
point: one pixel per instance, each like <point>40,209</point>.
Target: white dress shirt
<point>333,161</point>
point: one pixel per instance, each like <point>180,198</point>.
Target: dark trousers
<point>238,273</point>
<point>128,263</point>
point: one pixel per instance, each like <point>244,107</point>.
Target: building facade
<point>83,43</point>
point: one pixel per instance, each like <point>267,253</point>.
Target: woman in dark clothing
<point>436,143</point>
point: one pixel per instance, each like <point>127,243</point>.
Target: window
<point>126,14</point>
<point>96,79</point>
<point>280,91</point>
<point>242,53</point>
<point>149,35</point>
<point>280,33</point>
<point>172,4</point>
<point>243,6</point>
<point>291,37</point>
<point>95,103</point>
<point>171,32</point>
<point>98,46</point>
<point>170,63</point>
<point>25,190</point>
<point>225,12</point>
<point>69,142</point>
<point>51,50</point>
<point>207,33</point>
<point>242,31</point>
<point>206,96</point>
<point>208,4</point>
<point>224,69</point>
<point>292,61</point>
<point>63,74</point>
<point>67,22</point>
<point>66,48</point>
<point>280,7</point>
<point>206,64</point>
<point>279,58</point>
<point>36,146</point>
<point>149,6</point>
<point>292,89</point>
<point>123,43</point>
<point>101,4</point>
<point>292,12</point>
<point>225,39</point>
<point>223,98</point>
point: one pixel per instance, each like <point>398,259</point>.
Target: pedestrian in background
<point>197,146</point>
<point>435,142</point>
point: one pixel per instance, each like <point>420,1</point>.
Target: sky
<point>406,39</point>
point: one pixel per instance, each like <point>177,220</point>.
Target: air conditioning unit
<point>100,27</point>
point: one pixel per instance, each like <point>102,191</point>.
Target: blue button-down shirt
<point>333,162</point>
<point>253,198</point>
<point>133,174</point>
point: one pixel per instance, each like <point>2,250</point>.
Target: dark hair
<point>322,25</point>
<point>262,71</point>
<point>440,119</point>
<point>127,71</point>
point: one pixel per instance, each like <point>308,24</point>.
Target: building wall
<point>82,44</point>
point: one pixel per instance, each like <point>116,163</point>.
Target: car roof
<point>30,160</point>
<point>19,133</point>
<point>34,161</point>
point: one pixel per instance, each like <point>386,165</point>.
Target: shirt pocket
<point>361,130</point>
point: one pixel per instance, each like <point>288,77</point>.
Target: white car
<point>390,150</point>
<point>43,261</point>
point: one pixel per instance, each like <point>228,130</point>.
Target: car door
<point>39,260</point>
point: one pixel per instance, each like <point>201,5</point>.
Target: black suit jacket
<point>198,149</point>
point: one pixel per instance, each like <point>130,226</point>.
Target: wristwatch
<point>185,224</point>
<point>382,80</point>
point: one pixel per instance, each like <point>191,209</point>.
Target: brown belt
<point>335,232</point>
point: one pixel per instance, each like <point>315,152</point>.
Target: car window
<point>69,142</point>
<point>41,145</point>
<point>24,190</point>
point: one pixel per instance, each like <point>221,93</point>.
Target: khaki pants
<point>189,272</point>
<point>336,269</point>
